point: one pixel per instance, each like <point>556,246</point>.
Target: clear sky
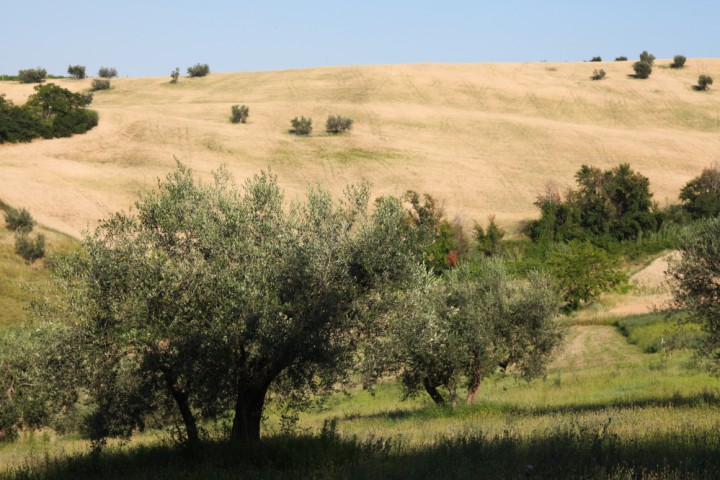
<point>152,37</point>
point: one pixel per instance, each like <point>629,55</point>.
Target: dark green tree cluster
<point>32,75</point>
<point>21,222</point>
<point>700,197</point>
<point>338,124</point>
<point>51,111</point>
<point>100,84</point>
<point>107,72</point>
<point>76,71</point>
<point>198,70</point>
<point>610,205</point>
<point>678,61</point>
<point>301,126</point>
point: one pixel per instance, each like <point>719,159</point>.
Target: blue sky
<point>150,38</point>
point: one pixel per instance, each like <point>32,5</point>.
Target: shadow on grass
<point>570,452</point>
<point>701,399</point>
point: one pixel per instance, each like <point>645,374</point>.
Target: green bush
<point>647,57</point>
<point>107,72</point>
<point>239,113</point>
<point>76,71</point>
<point>642,69</point>
<point>701,195</point>
<point>100,84</point>
<point>596,59</point>
<point>18,220</point>
<point>28,248</point>
<point>598,74</point>
<point>32,75</point>
<point>338,124</point>
<point>198,70</point>
<point>18,124</point>
<point>704,82</point>
<point>678,61</point>
<point>174,75</point>
<point>621,59</point>
<point>301,125</point>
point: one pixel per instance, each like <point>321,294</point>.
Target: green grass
<point>656,332</point>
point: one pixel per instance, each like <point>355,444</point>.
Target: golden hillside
<point>484,138</point>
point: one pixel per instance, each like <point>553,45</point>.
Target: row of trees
<point>212,297</point>
<point>52,111</point>
<point>643,68</point>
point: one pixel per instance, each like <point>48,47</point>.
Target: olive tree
<point>695,278</point>
<point>450,333</point>
<point>212,295</point>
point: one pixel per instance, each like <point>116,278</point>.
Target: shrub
<point>598,74</point>
<point>107,72</point>
<point>596,59</point>
<point>198,70</point>
<point>32,75</point>
<point>338,124</point>
<point>28,248</point>
<point>76,71</point>
<point>642,69</point>
<point>621,59</point>
<point>175,74</point>
<point>647,57</point>
<point>239,114</point>
<point>704,82</point>
<point>100,84</point>
<point>301,125</point>
<point>18,220</point>
<point>17,124</point>
<point>678,61</point>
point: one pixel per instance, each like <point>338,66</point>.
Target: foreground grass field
<point>606,409</point>
<point>484,138</point>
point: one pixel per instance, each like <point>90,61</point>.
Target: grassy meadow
<point>482,138</point>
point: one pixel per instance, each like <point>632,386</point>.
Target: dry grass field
<point>484,138</point>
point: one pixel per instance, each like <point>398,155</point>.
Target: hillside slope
<point>484,138</point>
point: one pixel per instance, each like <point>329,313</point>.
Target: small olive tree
<point>198,70</point>
<point>678,61</point>
<point>704,82</point>
<point>696,289</point>
<point>107,72</point>
<point>301,126</point>
<point>451,333</point>
<point>32,75</point>
<point>642,69</point>
<point>211,295</point>
<point>239,113</point>
<point>76,71</point>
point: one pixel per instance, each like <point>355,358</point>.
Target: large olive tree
<point>210,295</point>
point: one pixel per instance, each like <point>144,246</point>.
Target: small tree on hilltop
<point>642,69</point>
<point>107,72</point>
<point>678,61</point>
<point>100,84</point>
<point>32,75</point>
<point>76,71</point>
<point>198,70</point>
<point>647,57</point>
<point>596,59</point>
<point>621,59</point>
<point>174,75</point>
<point>598,74</point>
<point>338,124</point>
<point>704,82</point>
<point>239,113</point>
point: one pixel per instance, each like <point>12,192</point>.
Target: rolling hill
<point>483,138</point>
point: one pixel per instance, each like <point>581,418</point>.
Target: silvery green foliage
<point>210,296</point>
<point>451,333</point>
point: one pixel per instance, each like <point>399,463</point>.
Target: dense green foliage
<point>51,111</point>
<point>704,82</point>
<point>488,241</point>
<point>696,286</point>
<point>32,75</point>
<point>239,113</point>
<point>642,69</point>
<point>338,124</point>
<point>301,126</point>
<point>678,61</point>
<point>212,296</point>
<point>607,206</point>
<point>18,220</point>
<point>596,59</point>
<point>76,71</point>
<point>701,196</point>
<point>584,272</point>
<point>454,332</point>
<point>621,59</point>
<point>107,72</point>
<point>198,70</point>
